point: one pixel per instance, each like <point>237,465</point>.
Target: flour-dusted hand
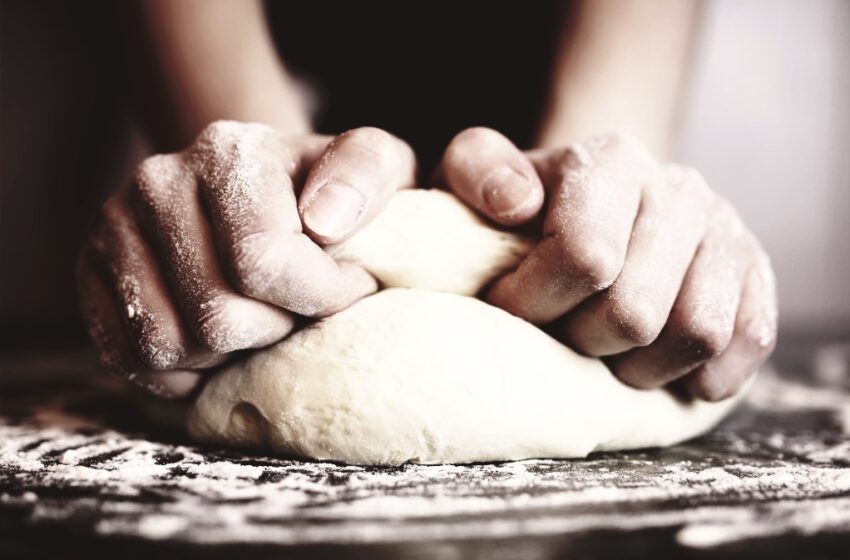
<point>640,262</point>
<point>219,248</point>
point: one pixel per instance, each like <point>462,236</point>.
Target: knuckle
<point>621,148</point>
<point>704,341</point>
<point>222,132</point>
<point>153,179</point>
<point>633,318</point>
<point>147,173</point>
<point>573,167</point>
<point>687,180</point>
<point>759,336</point>
<point>569,160</point>
<point>597,265</point>
<point>223,149</point>
<point>612,142</point>
<point>220,153</point>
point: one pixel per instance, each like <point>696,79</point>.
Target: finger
<point>753,339</point>
<point>594,191</point>
<point>169,384</point>
<point>671,222</point>
<point>251,201</point>
<point>167,201</point>
<point>103,319</point>
<point>108,332</point>
<point>352,181</point>
<point>489,173</point>
<point>700,325</point>
<point>154,324</point>
<point>161,339</point>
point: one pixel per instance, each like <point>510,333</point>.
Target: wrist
<point>579,117</point>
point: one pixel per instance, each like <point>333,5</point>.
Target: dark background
<point>63,142</point>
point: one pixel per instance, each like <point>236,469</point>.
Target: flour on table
<point>423,373</point>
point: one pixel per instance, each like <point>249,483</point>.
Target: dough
<point>418,374</point>
<point>429,240</point>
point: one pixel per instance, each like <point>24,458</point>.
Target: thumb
<point>351,182</point>
<point>489,173</point>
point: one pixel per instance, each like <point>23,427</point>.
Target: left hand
<point>640,262</point>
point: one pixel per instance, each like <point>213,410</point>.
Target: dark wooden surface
<point>82,474</point>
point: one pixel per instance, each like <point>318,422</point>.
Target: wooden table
<point>82,474</point>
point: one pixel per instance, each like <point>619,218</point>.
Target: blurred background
<point>766,119</point>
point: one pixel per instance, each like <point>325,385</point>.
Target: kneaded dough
<point>429,240</point>
<point>420,373</point>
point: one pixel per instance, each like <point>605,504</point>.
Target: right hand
<point>219,248</point>
<point>640,263</point>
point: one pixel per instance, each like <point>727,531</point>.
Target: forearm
<point>207,60</point>
<point>620,66</point>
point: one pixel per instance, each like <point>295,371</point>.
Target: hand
<point>640,262</point>
<point>219,248</point>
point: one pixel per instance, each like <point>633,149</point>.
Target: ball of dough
<point>427,376</point>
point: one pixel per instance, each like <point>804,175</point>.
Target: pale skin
<point>218,247</point>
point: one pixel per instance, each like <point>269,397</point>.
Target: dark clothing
<point>423,71</point>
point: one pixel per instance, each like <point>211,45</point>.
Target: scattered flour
<point>736,484</point>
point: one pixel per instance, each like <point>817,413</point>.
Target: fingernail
<point>162,359</point>
<point>507,192</point>
<point>334,210</point>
